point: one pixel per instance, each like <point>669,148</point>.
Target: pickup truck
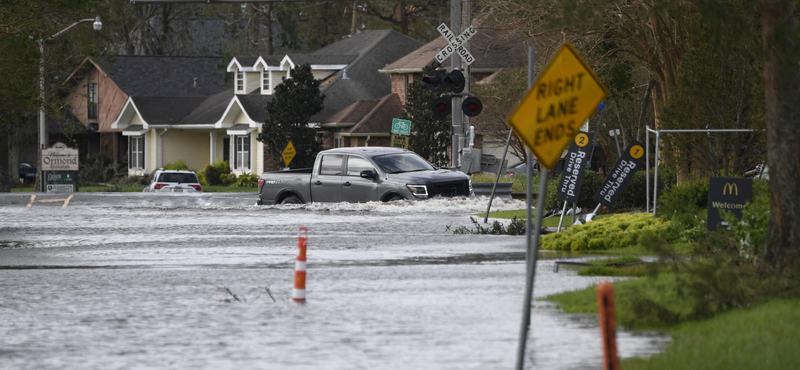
<point>362,174</point>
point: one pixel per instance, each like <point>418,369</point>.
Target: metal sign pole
<point>532,245</point>
<point>647,166</point>
<point>655,177</point>
<point>574,209</point>
<point>497,177</point>
<point>599,125</point>
<point>561,219</point>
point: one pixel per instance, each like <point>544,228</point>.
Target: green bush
<point>177,166</point>
<point>228,179</point>
<point>634,196</point>
<point>615,232</point>
<point>246,181</point>
<point>685,204</point>
<point>212,174</point>
<point>97,169</point>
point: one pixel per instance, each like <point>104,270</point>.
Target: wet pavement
<point>121,281</point>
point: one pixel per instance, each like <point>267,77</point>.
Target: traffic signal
<point>435,81</point>
<point>455,79</point>
<point>472,106</point>
<point>441,106</point>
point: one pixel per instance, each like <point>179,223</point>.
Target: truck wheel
<point>392,198</point>
<point>291,200</point>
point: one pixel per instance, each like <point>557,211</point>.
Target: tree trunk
<point>4,149</point>
<point>782,114</point>
<point>13,155</point>
<point>268,23</point>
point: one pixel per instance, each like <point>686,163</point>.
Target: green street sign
<point>60,177</point>
<point>401,126</point>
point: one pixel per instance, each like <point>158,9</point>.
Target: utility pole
<point>455,106</point>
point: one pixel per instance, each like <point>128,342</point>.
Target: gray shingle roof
<point>379,118</point>
<point>210,110</point>
<point>165,76</point>
<point>375,50</point>
<point>166,110</point>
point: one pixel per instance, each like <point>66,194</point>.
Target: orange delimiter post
<point>608,323</point>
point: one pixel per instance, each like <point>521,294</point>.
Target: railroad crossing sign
<point>455,44</point>
<point>552,111</point>
<point>401,126</point>
<point>288,154</point>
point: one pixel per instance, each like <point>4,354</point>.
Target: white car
<point>173,181</point>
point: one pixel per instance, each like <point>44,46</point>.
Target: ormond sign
<point>59,157</point>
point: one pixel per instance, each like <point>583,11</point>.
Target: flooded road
<point>142,281</point>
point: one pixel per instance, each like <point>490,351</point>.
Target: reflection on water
<point>138,286</point>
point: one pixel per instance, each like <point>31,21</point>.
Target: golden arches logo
<point>730,189</point>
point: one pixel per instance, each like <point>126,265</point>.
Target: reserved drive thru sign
<point>569,189</point>
<point>615,183</point>
<point>552,112</point>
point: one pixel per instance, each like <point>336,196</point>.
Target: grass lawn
<point>765,336</point>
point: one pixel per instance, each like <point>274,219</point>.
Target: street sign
<point>619,178</point>
<point>60,177</point>
<point>59,157</point>
<point>569,188</point>
<point>563,97</point>
<point>401,126</point>
<point>455,44</point>
<point>728,194</point>
<point>60,188</point>
<point>399,141</point>
<point>288,154</point>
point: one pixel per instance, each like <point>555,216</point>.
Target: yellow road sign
<point>288,154</point>
<point>551,113</point>
<point>399,141</point>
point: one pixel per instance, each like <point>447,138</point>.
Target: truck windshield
<point>402,162</point>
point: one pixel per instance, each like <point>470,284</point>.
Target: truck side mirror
<point>369,174</point>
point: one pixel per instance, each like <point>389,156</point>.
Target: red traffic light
<point>456,81</point>
<point>435,81</point>
<point>472,106</point>
<point>441,106</point>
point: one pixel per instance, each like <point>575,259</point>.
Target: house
<point>166,109</point>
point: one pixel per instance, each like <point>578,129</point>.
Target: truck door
<point>326,185</point>
<point>354,188</point>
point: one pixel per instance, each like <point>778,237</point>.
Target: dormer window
<point>264,80</point>
<point>239,81</point>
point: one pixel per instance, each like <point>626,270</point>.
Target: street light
<point>97,25</point>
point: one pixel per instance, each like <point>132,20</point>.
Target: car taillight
<point>197,187</point>
<point>159,186</point>
<point>260,183</point>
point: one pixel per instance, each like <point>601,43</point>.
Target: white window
<point>239,81</point>
<point>136,149</point>
<point>264,80</point>
<point>242,152</point>
<point>337,141</point>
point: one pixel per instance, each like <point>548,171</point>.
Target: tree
<point>293,104</point>
<point>782,113</point>
<point>430,135</point>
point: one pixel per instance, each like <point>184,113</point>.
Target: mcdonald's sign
<point>728,194</point>
<point>730,188</point>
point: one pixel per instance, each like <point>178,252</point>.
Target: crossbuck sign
<point>455,44</point>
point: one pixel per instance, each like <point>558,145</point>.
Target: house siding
<point>253,81</point>
<point>150,145</point>
<point>110,100</point>
<point>191,147</point>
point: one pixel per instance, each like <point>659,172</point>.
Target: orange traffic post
<point>299,291</point>
<point>608,323</point>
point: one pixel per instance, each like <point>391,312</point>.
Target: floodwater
<point>142,281</point>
